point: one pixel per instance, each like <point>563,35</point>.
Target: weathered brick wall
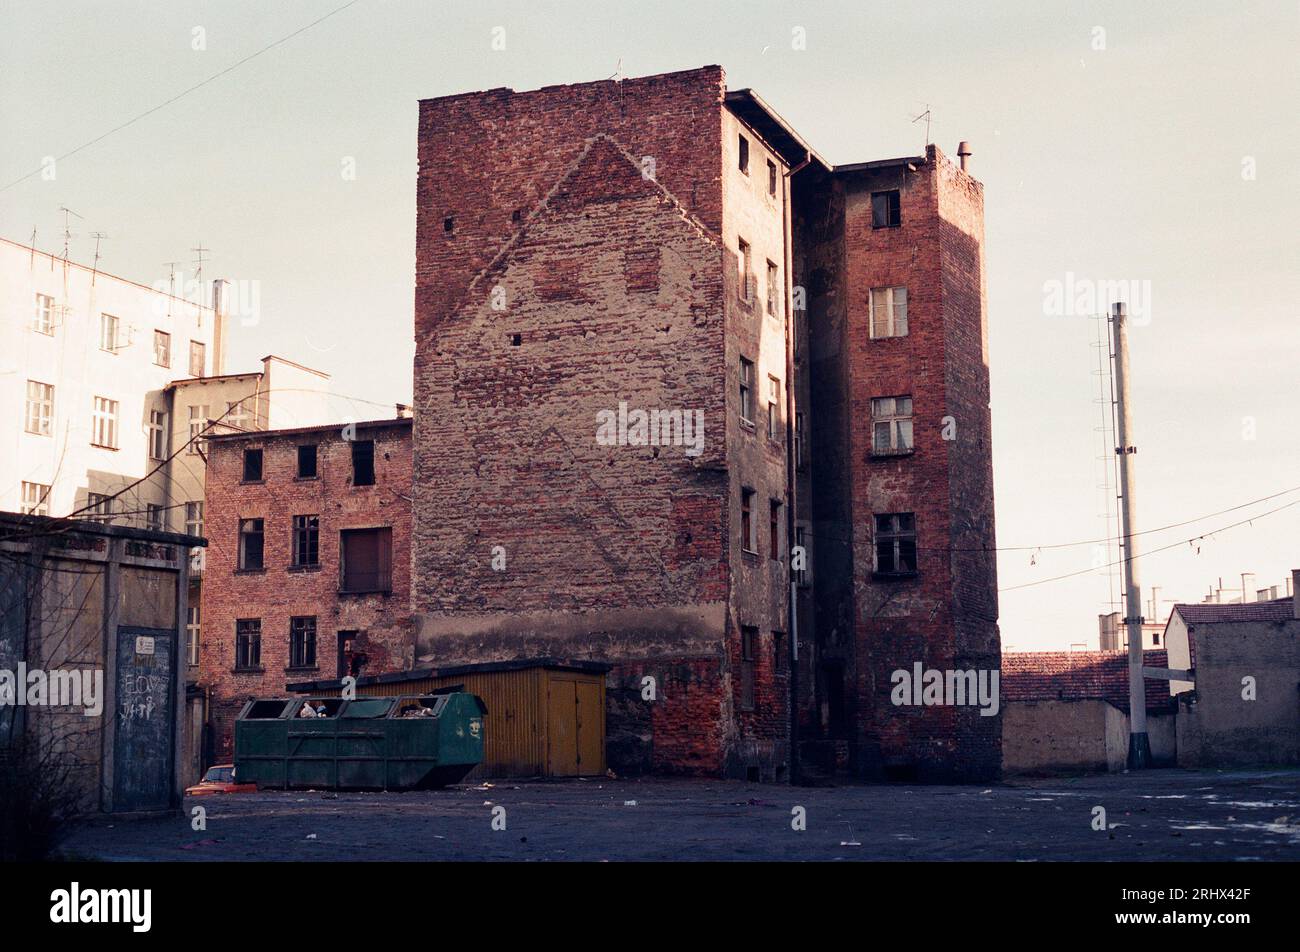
<point>555,280</point>
<point>280,592</point>
<point>945,616</point>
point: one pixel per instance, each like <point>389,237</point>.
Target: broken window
<point>307,461</point>
<point>363,462</point>
<point>365,560</point>
<point>896,543</point>
<point>886,209</point>
<point>252,465</point>
<point>251,542</point>
<point>744,155</point>
<point>248,643</point>
<point>889,312</point>
<point>891,425</point>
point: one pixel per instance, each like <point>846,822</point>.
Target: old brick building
<point>628,413</point>
<point>308,574</point>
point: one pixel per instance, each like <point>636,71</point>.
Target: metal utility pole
<point>1139,746</point>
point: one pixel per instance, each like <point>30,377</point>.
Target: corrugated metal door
<point>562,728</point>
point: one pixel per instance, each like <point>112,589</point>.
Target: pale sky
<point>1130,162</point>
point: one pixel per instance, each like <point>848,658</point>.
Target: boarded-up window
<point>366,560</point>
<point>641,268</point>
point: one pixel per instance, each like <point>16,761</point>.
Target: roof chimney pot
<point>964,153</point>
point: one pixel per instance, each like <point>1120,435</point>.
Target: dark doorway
<point>351,659</point>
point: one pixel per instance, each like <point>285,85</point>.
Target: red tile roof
<point>1278,609</point>
<point>1080,675</point>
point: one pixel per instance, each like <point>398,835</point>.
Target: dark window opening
<point>363,462</point>
<point>306,540</point>
<point>248,642</point>
<point>886,209</point>
<point>366,560</point>
<point>774,529</point>
<point>307,462</point>
<point>896,544</point>
<point>747,540</point>
<point>744,155</point>
<point>351,660</point>
<point>448,223</point>
<point>748,643</point>
<point>771,177</point>
<point>302,641</point>
<point>251,543</point>
<point>516,340</point>
<point>515,215</point>
<point>252,466</point>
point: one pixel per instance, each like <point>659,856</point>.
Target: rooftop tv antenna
<point>94,268</point>
<point>927,117</point>
<point>67,228</point>
<point>198,268</point>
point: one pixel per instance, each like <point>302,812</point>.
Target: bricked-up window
<point>198,358</point>
<point>307,461</point>
<point>248,643</point>
<point>43,319</point>
<point>40,408</point>
<point>162,348</point>
<point>103,423</point>
<point>748,530</point>
<point>774,529</point>
<point>253,465</point>
<point>99,508</point>
<point>366,560</point>
<point>302,641</point>
<point>745,279</point>
<point>748,648</point>
<point>36,499</point>
<point>891,425</point>
<point>744,155</point>
<point>800,441</point>
<point>746,390</point>
<point>193,636</point>
<point>306,540</point>
<point>771,177</point>
<point>108,333</point>
<point>774,409</point>
<point>773,290</point>
<point>889,312</point>
<point>886,209</point>
<point>363,462</point>
<point>252,539</point>
<point>896,543</point>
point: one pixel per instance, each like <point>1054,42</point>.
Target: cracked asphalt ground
<point>1156,815</point>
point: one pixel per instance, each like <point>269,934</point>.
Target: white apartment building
<point>85,362</point>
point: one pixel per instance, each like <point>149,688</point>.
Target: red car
<point>219,779</point>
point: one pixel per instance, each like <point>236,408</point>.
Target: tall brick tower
<point>902,481</point>
<point>593,257</point>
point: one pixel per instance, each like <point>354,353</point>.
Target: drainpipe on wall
<point>793,634</point>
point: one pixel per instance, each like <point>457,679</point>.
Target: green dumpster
<point>370,743</point>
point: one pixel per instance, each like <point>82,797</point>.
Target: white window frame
<point>103,423</point>
<point>99,507</point>
<point>193,634</point>
<point>773,289</point>
<point>157,434</point>
<point>43,319</point>
<point>198,421</point>
<point>774,409</point>
<point>893,322</point>
<point>40,408</point>
<point>110,333</point>
<point>36,499</point>
<point>895,415</point>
